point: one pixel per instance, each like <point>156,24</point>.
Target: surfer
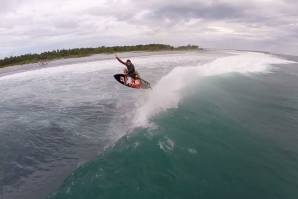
<point>130,70</point>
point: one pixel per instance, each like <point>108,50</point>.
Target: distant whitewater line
<point>44,57</point>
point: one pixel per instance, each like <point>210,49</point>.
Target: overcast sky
<point>29,26</point>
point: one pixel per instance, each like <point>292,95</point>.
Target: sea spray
<point>167,95</point>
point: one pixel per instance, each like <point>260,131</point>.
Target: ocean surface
<point>217,125</point>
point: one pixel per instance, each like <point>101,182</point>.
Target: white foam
<point>80,68</point>
<point>167,145</point>
<point>166,95</point>
<point>192,150</point>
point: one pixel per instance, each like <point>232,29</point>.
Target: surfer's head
<point>128,62</point>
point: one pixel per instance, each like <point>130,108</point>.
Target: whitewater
<point>180,77</point>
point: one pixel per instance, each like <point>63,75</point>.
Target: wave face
<point>215,126</point>
<point>181,77</point>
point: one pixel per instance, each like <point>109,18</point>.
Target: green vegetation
<point>42,58</point>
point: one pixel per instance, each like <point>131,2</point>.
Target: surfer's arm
<point>122,62</point>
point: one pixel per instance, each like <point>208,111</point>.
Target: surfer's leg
<point>137,74</point>
<point>125,71</point>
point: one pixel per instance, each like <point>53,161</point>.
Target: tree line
<point>82,52</point>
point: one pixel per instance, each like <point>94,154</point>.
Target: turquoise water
<point>231,136</point>
<point>216,125</point>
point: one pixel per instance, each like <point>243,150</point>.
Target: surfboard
<point>132,82</point>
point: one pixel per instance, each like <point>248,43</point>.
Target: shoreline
<point>9,70</point>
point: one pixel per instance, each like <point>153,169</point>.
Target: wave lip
<point>166,95</point>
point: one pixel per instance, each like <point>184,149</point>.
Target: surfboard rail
<point>131,82</point>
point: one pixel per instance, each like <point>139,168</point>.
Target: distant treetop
<point>82,52</point>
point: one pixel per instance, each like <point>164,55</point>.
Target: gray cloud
<point>216,12</point>
<point>6,6</point>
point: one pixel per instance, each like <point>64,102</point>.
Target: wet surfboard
<point>132,82</point>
